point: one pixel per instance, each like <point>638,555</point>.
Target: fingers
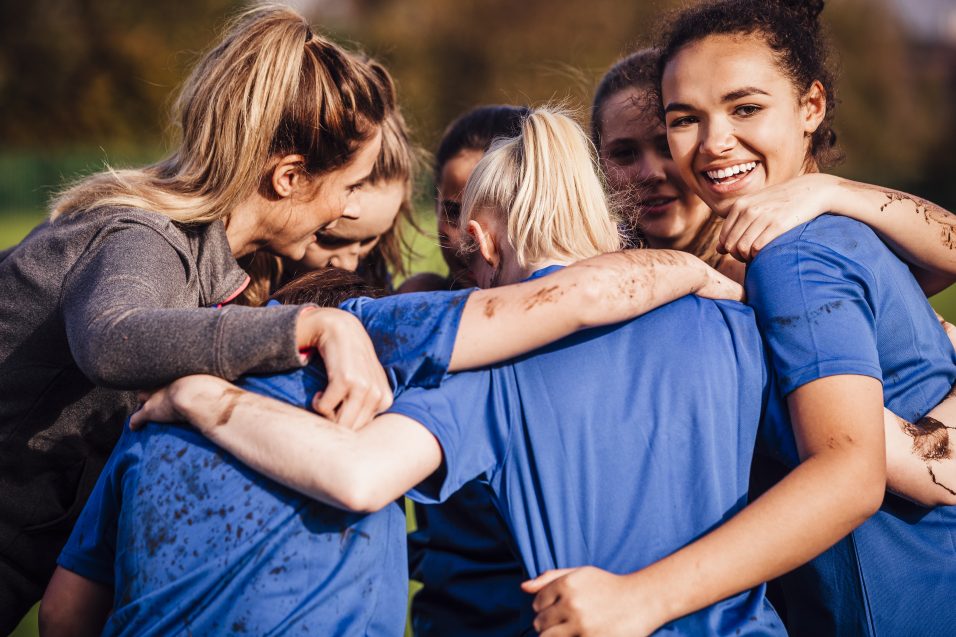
<point>553,618</point>
<point>334,394</point>
<point>532,586</point>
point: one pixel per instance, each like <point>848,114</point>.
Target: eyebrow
<point>729,97</point>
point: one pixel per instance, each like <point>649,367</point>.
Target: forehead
<point>380,204</point>
<point>629,113</point>
<point>456,171</point>
<point>706,70</point>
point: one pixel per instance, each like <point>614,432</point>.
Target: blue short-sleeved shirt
<point>194,542</point>
<point>832,299</point>
<point>616,446</point>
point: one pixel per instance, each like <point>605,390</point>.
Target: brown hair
<point>397,161</point>
<point>271,87</point>
<point>327,287</point>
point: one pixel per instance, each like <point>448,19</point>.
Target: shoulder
<point>830,243</point>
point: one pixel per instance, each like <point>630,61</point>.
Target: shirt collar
<point>220,277</point>
<point>537,274</point>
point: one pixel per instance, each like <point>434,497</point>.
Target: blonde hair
<point>270,88</point>
<point>545,184</point>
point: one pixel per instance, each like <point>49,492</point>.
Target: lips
<point>729,178</point>
<point>656,203</point>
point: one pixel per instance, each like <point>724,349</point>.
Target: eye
<point>624,155</point>
<point>747,110</point>
<point>682,122</point>
<point>451,212</point>
<point>331,242</point>
<point>355,187</point>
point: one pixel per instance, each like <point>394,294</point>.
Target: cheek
<point>621,177</point>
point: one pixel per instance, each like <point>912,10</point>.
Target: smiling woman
<point>135,261</point>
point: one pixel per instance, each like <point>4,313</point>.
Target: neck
<point>241,229</point>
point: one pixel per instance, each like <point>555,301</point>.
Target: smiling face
<point>735,122</point>
<point>638,164</point>
<point>349,240</point>
<point>290,224</point>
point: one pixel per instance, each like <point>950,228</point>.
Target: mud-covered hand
<point>588,601</point>
<point>358,388</point>
<point>757,219</point>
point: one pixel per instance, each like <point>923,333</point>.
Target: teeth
<point>730,171</point>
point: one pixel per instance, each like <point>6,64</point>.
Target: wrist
<point>658,603</point>
<point>203,401</point>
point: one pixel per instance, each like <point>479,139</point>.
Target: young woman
<point>463,143</point>
<point>462,551</point>
<point>179,537</point>
<point>371,243</point>
<point>585,451</point>
<point>278,127</point>
<point>748,104</point>
<point>663,212</point>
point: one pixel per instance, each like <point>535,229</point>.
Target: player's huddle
<point>602,440</point>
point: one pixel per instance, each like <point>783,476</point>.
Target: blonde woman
<point>587,443</point>
<point>119,289</point>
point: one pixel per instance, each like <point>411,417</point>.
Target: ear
<point>814,107</point>
<point>288,176</point>
<point>486,243</point>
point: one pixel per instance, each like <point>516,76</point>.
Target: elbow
<point>867,495</point>
<point>360,492</point>
<point>53,619</point>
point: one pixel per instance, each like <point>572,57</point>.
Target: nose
<point>650,168</point>
<point>717,137</point>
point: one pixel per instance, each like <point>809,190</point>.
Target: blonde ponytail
<point>545,184</point>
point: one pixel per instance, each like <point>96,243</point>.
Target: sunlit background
<point>86,82</point>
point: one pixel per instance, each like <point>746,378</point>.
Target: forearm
<point>922,232</point>
<point>138,347</point>
<point>299,449</point>
<point>501,323</point>
<point>920,463</point>
<point>356,470</point>
<point>839,483</point>
<point>803,515</point>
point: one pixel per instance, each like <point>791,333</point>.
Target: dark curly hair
<point>637,70</point>
<point>791,29</point>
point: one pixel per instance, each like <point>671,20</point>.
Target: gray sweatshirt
<point>93,305</point>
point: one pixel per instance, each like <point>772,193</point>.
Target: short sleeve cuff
<point>87,567</point>
<point>436,488</point>
<point>821,369</point>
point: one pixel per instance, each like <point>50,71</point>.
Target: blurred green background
<point>84,83</point>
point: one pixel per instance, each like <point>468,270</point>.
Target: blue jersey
<point>616,446</point>
<point>831,299</point>
<point>194,542</point>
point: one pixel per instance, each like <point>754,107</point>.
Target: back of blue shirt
<point>831,299</point>
<point>194,542</point>
<point>615,447</point>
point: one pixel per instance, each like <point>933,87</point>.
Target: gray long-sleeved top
<point>93,305</point>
